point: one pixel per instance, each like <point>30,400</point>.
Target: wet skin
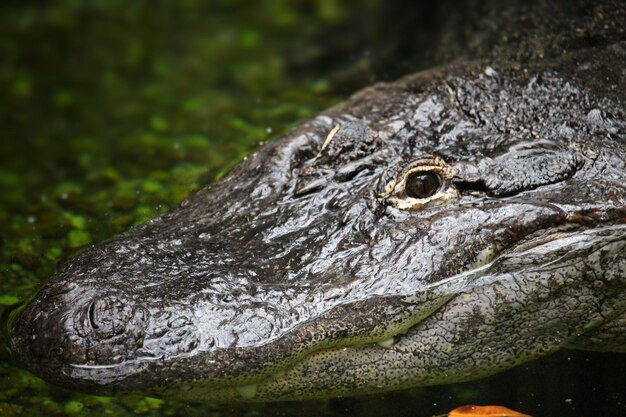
<point>445,227</point>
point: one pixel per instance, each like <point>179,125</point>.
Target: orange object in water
<point>484,411</point>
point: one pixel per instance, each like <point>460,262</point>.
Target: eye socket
<point>422,184</point>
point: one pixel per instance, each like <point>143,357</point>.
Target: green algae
<point>73,407</point>
<point>77,238</point>
<point>8,300</point>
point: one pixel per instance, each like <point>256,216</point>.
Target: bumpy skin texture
<point>286,273</point>
<point>283,276</point>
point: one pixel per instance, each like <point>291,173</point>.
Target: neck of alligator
<point>519,33</point>
<point>444,227</point>
<point>564,35</point>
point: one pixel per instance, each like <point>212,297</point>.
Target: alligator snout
<point>43,332</point>
<point>70,326</point>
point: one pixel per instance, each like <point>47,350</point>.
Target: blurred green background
<point>114,111</point>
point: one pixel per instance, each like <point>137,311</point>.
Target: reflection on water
<point>112,112</point>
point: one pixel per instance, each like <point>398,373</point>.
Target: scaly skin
<point>289,278</point>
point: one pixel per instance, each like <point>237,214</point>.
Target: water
<point>112,112</point>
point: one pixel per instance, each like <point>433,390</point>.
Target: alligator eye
<point>422,184</point>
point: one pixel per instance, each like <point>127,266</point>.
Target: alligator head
<point>437,229</point>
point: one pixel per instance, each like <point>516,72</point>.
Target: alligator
<point>440,228</point>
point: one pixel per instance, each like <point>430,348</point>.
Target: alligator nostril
<point>108,316</point>
<point>92,319</point>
